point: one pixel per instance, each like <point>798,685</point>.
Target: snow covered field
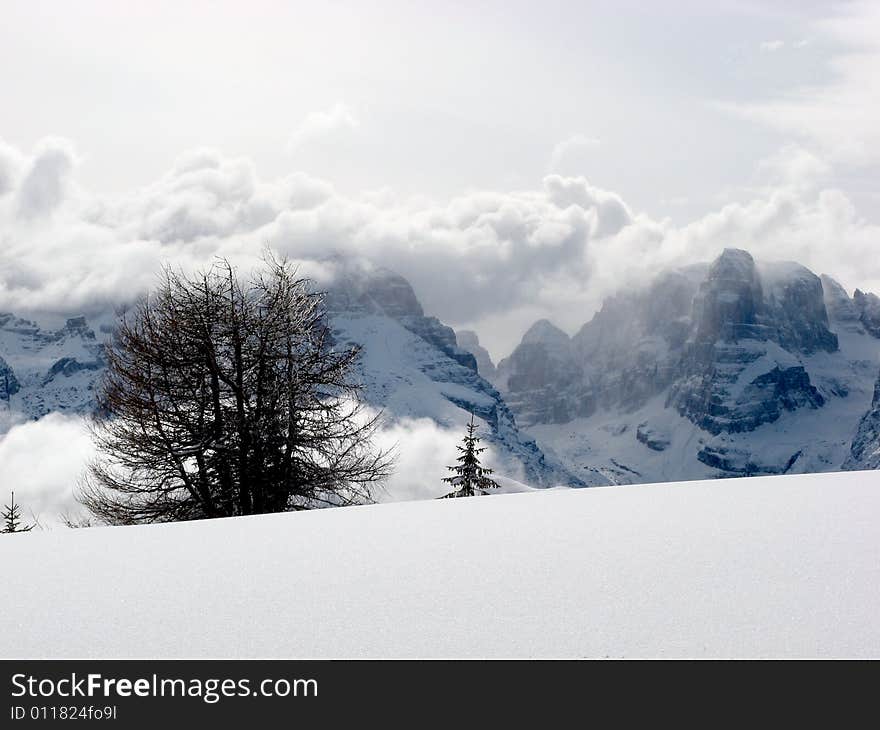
<point>775,566</point>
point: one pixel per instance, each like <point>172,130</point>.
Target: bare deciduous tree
<point>226,398</point>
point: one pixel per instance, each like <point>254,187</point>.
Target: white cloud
<point>772,46</point>
<point>423,450</point>
<point>11,163</point>
<point>42,461</point>
<point>794,165</point>
<point>493,261</point>
<point>322,123</point>
<point>46,179</point>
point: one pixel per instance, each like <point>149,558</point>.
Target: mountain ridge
<point>727,368</point>
<point>713,352</point>
<point>411,367</point>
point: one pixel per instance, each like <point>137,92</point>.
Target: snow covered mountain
<point>469,342</point>
<point>733,368</point>
<point>45,369</point>
<point>411,368</point>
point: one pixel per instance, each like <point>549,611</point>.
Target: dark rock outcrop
<point>868,306</point>
<point>68,366</point>
<point>651,438</point>
<point>9,385</point>
<point>739,462</point>
<point>441,336</point>
<point>865,448</point>
<point>540,374</point>
<point>841,308</point>
<point>375,290</point>
<point>728,302</point>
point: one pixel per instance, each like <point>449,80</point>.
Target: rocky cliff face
<point>541,374</point>
<point>360,289</point>
<point>730,348</point>
<point>8,382</point>
<point>739,368</point>
<point>469,342</point>
<point>865,449</point>
<point>721,342</point>
<point>868,307</point>
<point>414,367</point>
<point>840,307</point>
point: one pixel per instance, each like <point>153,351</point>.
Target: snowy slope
<point>801,441</point>
<point>776,566</point>
<point>412,368</point>
<point>410,378</point>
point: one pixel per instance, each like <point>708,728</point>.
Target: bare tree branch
<point>223,399</point>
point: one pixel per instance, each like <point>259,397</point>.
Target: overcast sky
<point>514,159</point>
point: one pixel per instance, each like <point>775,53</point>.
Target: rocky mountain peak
<point>360,288</point>
<point>729,299</point>
<point>538,372</point>
<point>794,308</point>
<point>868,306</point>
<point>469,342</point>
<point>726,345</point>
<point>545,332</point>
<point>372,289</point>
<point>838,304</point>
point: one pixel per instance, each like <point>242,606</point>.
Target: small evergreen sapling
<point>12,518</point>
<point>469,478</point>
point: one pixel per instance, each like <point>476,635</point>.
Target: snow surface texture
<point>784,566</point>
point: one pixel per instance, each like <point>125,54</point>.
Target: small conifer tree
<point>12,518</point>
<point>469,477</point>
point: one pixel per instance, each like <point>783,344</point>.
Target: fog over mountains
<point>733,367</point>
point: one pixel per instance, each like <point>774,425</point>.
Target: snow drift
<point>784,566</point>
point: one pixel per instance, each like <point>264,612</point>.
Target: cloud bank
<point>41,462</point>
<point>492,261</point>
